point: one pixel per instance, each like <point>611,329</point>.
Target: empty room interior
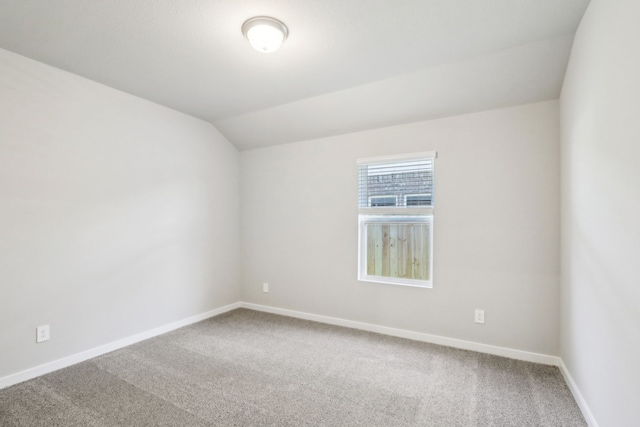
<point>320,213</point>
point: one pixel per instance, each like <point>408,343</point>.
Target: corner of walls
<point>577,395</point>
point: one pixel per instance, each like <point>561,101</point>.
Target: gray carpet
<point>247,368</point>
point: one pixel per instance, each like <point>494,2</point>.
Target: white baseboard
<point>577,395</point>
<point>416,336</point>
<point>98,351</point>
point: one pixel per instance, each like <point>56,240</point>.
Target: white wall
<point>117,215</point>
<point>496,228</point>
<point>600,342</point>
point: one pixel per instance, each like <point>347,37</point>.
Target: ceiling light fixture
<point>265,34</point>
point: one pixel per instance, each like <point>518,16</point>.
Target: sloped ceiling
<point>347,65</point>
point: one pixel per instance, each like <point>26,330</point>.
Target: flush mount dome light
<point>265,34</point>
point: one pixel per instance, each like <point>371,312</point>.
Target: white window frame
<point>408,218</point>
<point>395,214</point>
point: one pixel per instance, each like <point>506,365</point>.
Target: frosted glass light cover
<point>265,34</point>
<point>264,38</point>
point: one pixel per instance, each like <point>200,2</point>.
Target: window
<point>395,199</point>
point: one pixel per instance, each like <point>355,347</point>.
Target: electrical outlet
<point>479,316</point>
<point>265,287</point>
<point>42,333</point>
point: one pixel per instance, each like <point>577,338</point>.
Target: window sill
<point>397,282</point>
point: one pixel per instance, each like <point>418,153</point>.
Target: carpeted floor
<point>247,368</point>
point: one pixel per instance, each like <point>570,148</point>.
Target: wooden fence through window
<point>398,250</point>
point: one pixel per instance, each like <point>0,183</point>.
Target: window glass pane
<point>418,199</point>
<point>398,250</point>
<point>383,201</point>
<point>399,179</point>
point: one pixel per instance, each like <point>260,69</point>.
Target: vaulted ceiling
<point>348,65</point>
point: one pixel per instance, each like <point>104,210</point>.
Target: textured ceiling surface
<point>347,64</point>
